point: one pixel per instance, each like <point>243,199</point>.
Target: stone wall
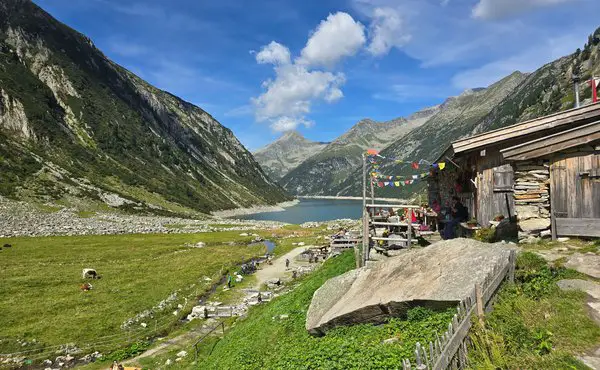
<point>532,198</point>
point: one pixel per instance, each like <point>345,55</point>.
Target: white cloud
<point>386,31</point>
<point>283,124</point>
<point>274,53</point>
<point>297,85</point>
<point>293,90</point>
<point>494,9</point>
<point>337,37</point>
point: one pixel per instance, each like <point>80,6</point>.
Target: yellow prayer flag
<point>442,165</point>
<point>397,183</point>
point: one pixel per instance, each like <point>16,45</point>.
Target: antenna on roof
<point>576,89</point>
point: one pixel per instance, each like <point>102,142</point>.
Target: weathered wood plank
<point>584,115</point>
<point>554,143</point>
<point>578,227</point>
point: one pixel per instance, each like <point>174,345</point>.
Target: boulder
<point>437,277</point>
<point>535,224</point>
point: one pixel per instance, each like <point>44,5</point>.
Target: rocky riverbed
<point>22,219</point>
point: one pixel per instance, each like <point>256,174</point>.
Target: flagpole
<point>372,192</point>
<point>365,238</point>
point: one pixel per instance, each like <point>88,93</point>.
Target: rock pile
<point>532,197</point>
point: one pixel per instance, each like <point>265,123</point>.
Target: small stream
<point>270,245</point>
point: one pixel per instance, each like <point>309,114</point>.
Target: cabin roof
<point>552,123</point>
<point>553,143</point>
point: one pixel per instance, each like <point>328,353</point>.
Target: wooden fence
<point>450,350</point>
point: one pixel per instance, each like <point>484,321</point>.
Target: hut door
<point>558,189</point>
<point>575,187</point>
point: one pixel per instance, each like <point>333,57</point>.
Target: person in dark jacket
<point>459,214</point>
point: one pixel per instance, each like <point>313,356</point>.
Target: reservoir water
<point>312,210</point>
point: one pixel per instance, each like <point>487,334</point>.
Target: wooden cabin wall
<point>575,185</point>
<point>490,200</point>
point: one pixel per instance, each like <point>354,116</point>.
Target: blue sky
<point>265,66</point>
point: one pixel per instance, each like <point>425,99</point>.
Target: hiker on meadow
<point>259,298</point>
<point>229,281</point>
<point>287,263</point>
<point>459,214</point>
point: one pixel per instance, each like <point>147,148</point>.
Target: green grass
<point>534,324</point>
<point>263,340</point>
<point>86,214</point>
<point>223,225</point>
<point>40,296</point>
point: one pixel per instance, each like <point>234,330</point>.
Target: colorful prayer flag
<point>415,165</point>
<point>415,177</point>
<point>397,183</point>
<point>442,165</point>
<point>372,152</point>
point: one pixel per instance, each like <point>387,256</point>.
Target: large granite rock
<point>438,277</point>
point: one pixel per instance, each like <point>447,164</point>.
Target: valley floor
<point>23,219</point>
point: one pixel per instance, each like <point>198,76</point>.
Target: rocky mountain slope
<point>286,153</point>
<point>75,125</point>
<point>327,169</point>
<point>515,98</point>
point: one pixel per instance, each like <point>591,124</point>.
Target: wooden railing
<point>450,350</point>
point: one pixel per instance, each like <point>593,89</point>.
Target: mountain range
<point>75,127</point>
<point>286,153</point>
<point>325,170</point>
<point>336,170</point>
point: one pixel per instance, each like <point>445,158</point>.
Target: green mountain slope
<point>514,99</point>
<point>74,124</point>
<point>324,171</point>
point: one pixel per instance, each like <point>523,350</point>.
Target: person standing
<point>287,263</point>
<point>229,281</point>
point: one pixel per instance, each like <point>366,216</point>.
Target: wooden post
<point>372,191</point>
<point>479,303</point>
<point>512,260</point>
<point>409,232</point>
<point>553,226</point>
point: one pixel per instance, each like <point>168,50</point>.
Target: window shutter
<point>503,178</point>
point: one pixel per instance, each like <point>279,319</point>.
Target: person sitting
<point>459,213</point>
<point>436,207</point>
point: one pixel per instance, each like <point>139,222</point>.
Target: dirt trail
<point>277,269</point>
<point>185,340</point>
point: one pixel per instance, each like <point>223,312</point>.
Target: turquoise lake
<point>312,210</point>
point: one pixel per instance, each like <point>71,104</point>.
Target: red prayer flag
<point>415,165</point>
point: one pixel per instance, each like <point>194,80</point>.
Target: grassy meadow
<point>42,304</point>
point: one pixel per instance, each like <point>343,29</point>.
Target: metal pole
<point>576,88</point>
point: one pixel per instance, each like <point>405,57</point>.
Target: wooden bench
<point>587,227</point>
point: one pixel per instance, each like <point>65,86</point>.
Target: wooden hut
<point>533,169</point>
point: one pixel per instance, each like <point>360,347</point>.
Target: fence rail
<point>196,345</point>
<point>450,350</point>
